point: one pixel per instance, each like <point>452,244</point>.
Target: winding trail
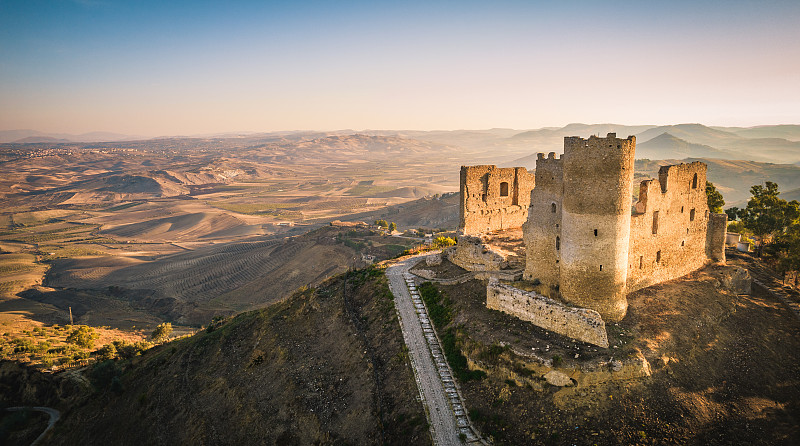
<point>438,390</point>
<point>54,416</point>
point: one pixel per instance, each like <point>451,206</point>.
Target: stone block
<point>737,280</point>
<point>434,259</point>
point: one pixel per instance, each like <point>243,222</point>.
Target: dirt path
<point>443,404</point>
<point>767,279</point>
<point>54,416</point>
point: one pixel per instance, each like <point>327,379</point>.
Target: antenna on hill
<point>70,316</point>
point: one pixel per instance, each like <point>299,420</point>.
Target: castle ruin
<point>584,240</point>
<point>494,198</point>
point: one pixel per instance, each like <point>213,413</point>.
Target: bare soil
<point>725,370</point>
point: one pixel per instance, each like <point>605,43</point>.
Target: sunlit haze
<point>155,68</point>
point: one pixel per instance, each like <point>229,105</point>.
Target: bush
<point>83,336</point>
<point>442,242</point>
<point>103,373</point>
<point>126,350</point>
<point>162,332</point>
<point>108,351</point>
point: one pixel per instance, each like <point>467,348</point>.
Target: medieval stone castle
<point>584,239</point>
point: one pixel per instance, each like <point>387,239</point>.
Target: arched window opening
<point>503,189</point>
<point>601,267</point>
<point>553,208</point>
<point>691,215</point>
<point>694,182</point>
<point>558,243</point>
<point>658,257</point>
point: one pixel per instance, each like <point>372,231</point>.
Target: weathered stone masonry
<point>577,323</point>
<point>585,242</point>
<point>494,198</point>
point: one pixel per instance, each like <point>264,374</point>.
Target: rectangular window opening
<point>655,222</point>
<point>641,262</point>
<point>595,232</point>
<point>658,257</point>
<point>601,267</point>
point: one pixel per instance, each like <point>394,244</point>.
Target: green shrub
<point>83,336</point>
<point>442,242</point>
<point>162,332</point>
<point>106,352</point>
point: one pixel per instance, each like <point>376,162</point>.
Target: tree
<point>83,336</point>
<point>714,198</point>
<point>733,213</point>
<point>791,243</point>
<point>392,227</point>
<point>382,223</point>
<point>768,215</point>
<point>162,332</point>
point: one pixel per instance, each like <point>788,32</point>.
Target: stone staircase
<point>465,426</point>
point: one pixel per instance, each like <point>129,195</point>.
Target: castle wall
<point>494,198</point>
<point>716,237</point>
<point>577,323</point>
<point>542,231</point>
<point>670,229</point>
<point>596,222</point>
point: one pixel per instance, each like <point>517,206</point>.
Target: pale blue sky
<point>163,68</point>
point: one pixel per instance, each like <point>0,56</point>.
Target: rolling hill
<point>666,145</point>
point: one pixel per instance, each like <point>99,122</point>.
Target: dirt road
<point>54,416</point>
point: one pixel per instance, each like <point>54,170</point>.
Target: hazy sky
<point>172,67</point>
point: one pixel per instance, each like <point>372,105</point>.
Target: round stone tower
<point>596,222</point>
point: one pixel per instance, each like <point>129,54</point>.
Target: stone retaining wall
<point>581,324</point>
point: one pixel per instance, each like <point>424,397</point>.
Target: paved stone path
<point>439,392</point>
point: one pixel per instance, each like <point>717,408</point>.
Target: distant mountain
<point>789,131</point>
<point>584,130</point>
<point>35,136</point>
<point>40,139</point>
<point>793,194</point>
<point>528,162</point>
<point>666,145</point>
<point>696,133</point>
<point>776,150</point>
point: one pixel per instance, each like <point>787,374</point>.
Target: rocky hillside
<point>326,366</point>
